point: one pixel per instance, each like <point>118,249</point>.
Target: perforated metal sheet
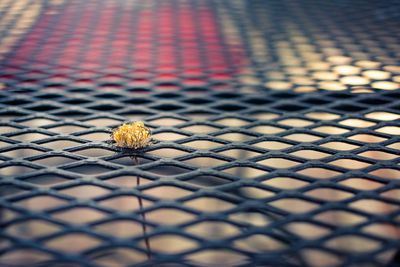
<point>277,128</point>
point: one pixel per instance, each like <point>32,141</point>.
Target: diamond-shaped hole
<point>71,114</point>
<point>394,145</point>
<point>4,144</point>
<point>348,108</point>
<point>279,163</point>
<point>361,184</point>
<point>46,179</point>
<point>357,123</point>
<point>257,219</point>
<point>125,203</point>
<point>312,256</point>
<point>207,180</point>
<point>167,122</point>
<point>202,144</point>
<point>7,129</point>
<point>259,243</point>
<point>127,181</point>
<point>384,230</point>
<point>341,146</point>
<point>167,216</point>
<point>267,129</point>
<point>325,76</point>
<point>212,257</point>
<point>37,122</point>
<point>167,107</point>
<point>236,137</point>
<point>209,204</point>
<point>353,244</point>
<point>8,215</point>
<point>350,164</point>
<point>31,229</point>
<point>323,116</point>
<point>307,230</point>
<point>290,107</point>
<point>22,153</point>
<point>285,183</point>
<point>229,107</point>
<point>103,122</point>
<point>367,138</point>
<point>213,230</point>
<point>85,191</point>
<point>168,170</point>
<point>117,256</point>
<point>67,129</point>
<point>385,85</point>
<point>232,122</point>
<point>378,155</point>
<point>89,169</point>
<point>200,129</point>
<point>167,192</point>
<point>373,206</point>
<point>310,154</point>
<point>239,153</point>
<point>94,152</point>
<point>245,172</point>
<point>121,228</point>
<point>339,217</point>
<point>54,160</point>
<point>168,152</point>
<point>60,144</point>
<point>330,130</point>
<point>24,257</point>
<point>171,244</point>
<point>130,160</point>
<point>199,115</point>
<point>168,136</point>
<point>346,69</point>
<point>272,145</point>
<point>293,205</point>
<point>29,137</point>
<point>41,202</point>
<point>204,162</point>
<point>96,137</point>
<point>9,189</point>
<point>382,116</point>
<point>264,115</point>
<point>387,173</point>
<point>354,80</point>
<point>79,215</point>
<point>198,101</point>
<point>301,137</point>
<point>73,243</point>
<point>321,173</point>
<point>253,192</point>
<point>329,194</point>
<point>393,193</point>
<point>296,122</point>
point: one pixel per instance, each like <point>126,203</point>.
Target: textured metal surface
<point>277,125</point>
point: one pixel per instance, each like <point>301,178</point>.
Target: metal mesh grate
<point>277,125</point>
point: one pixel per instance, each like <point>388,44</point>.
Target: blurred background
<point>277,128</point>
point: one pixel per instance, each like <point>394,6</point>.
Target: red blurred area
<point>164,42</point>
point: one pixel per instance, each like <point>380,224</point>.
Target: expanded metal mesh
<point>277,128</point>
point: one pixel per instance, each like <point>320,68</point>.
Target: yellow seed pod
<point>133,135</point>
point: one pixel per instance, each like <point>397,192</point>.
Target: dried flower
<point>133,135</point>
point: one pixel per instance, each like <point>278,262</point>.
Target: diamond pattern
<point>276,138</point>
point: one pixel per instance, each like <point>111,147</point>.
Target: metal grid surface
<point>277,128</point>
